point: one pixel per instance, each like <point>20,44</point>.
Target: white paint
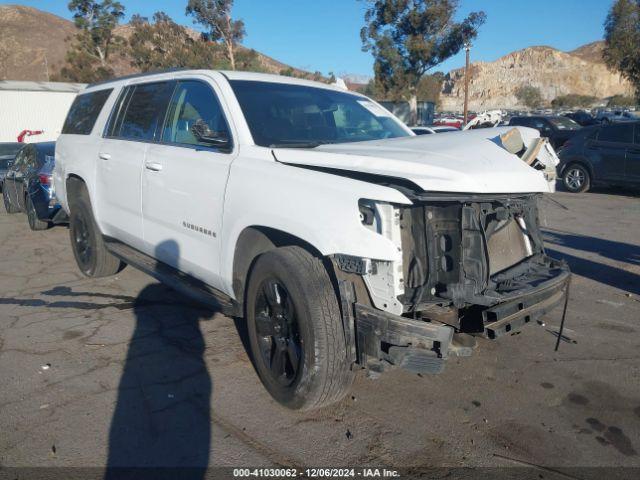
<point>228,193</point>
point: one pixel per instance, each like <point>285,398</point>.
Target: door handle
<point>153,166</point>
<point>104,156</point>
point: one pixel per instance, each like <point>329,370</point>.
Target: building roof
<point>41,86</point>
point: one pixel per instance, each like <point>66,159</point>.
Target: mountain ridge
<point>33,45</point>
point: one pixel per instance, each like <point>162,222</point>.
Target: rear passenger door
<point>184,183</point>
<point>609,151</point>
<point>135,121</point>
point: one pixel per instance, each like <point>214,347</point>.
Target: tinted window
<point>562,123</point>
<point>193,101</point>
<point>622,133</point>
<point>10,149</point>
<point>518,121</point>
<point>637,137</point>
<point>538,123</point>
<point>284,114</point>
<point>84,111</point>
<point>145,111</point>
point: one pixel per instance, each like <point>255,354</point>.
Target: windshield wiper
<point>296,145</point>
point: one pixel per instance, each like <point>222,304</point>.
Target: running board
<point>175,279</point>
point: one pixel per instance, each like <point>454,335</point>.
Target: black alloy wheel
<point>278,333</point>
<point>32,217</point>
<point>82,241</point>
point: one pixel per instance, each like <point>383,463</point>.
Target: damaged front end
<point>472,265</point>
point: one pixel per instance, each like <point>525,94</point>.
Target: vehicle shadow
<point>161,426</point>
<point>619,251</point>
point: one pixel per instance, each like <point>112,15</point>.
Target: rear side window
<point>84,112</point>
<point>142,111</point>
<point>621,133</point>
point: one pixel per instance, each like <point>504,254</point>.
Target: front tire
<point>295,330</point>
<point>32,217</point>
<point>89,249</point>
<point>8,206</point>
<point>576,178</point>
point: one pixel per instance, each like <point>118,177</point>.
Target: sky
<point>324,35</point>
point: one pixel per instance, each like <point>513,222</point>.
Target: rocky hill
<point>33,45</point>
<point>493,84</point>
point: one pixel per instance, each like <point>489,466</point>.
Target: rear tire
<point>576,178</point>
<point>8,206</point>
<point>295,330</point>
<point>89,250</point>
<point>32,216</point>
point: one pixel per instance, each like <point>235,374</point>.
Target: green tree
<point>88,57</point>
<point>529,96</point>
<point>622,38</point>
<point>215,17</point>
<point>163,44</point>
<point>573,100</point>
<point>621,101</point>
<point>409,37</point>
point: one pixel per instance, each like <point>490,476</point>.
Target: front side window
<point>84,112</point>
<point>144,112</point>
<point>280,114</point>
<point>192,102</point>
<point>622,133</point>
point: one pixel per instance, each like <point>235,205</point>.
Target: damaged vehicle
<point>344,240</point>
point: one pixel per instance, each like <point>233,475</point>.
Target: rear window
<point>621,133</point>
<point>84,112</point>
<point>562,123</point>
<point>10,150</point>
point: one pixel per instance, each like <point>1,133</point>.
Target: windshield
<point>284,115</point>
<point>563,123</point>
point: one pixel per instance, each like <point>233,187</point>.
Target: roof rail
<point>139,75</point>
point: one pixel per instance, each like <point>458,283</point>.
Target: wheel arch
<point>73,185</point>
<point>253,242</point>
<point>579,161</point>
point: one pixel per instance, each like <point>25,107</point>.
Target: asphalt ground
<point>124,371</point>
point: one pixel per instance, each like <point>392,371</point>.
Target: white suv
<point>342,238</point>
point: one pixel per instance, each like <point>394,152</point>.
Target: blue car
<point>28,188</point>
<point>8,152</point>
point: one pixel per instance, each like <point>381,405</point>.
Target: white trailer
<point>34,106</point>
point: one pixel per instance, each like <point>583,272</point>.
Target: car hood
<point>471,161</point>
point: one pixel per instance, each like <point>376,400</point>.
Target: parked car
<point>28,188</point>
<point>582,118</point>
<point>603,155</point>
<point>557,129</point>
<point>8,152</point>
<point>617,116</point>
<point>344,240</point>
<point>431,129</point>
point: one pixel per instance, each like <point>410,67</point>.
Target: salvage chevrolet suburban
<point>344,240</point>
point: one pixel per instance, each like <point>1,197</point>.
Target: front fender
<point>318,208</point>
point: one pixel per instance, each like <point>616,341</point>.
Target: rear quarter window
<point>84,112</point>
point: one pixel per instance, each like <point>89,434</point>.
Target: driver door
<point>183,184</point>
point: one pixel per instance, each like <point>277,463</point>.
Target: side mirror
<point>204,134</point>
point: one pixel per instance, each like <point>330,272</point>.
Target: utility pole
<point>467,48</point>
